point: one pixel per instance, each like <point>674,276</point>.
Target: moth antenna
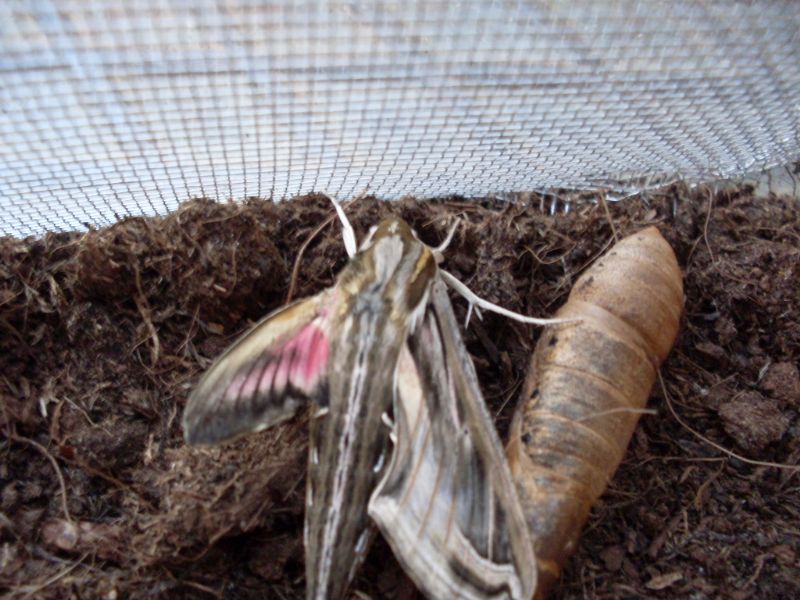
<point>348,235</point>
<point>439,250</point>
<point>479,302</point>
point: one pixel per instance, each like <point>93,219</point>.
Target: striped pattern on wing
<point>447,505</point>
<point>265,376</point>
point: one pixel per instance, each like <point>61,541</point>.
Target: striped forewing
<point>447,505</point>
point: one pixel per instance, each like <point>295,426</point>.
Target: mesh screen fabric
<point>117,108</point>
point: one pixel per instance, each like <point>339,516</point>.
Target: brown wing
<point>447,505</point>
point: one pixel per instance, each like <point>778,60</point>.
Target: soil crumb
<point>103,334</point>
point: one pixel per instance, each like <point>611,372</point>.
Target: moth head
<point>394,227</point>
<point>391,227</point>
<point>393,247</point>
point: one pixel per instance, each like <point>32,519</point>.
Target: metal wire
<point>127,108</point>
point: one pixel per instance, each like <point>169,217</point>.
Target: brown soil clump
<point>103,334</point>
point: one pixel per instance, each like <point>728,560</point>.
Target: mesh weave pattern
<point>113,108</point>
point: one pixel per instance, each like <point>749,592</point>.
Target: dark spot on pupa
<point>553,341</point>
<point>535,393</point>
<point>527,438</point>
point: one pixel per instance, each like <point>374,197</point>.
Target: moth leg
<point>320,411</point>
<point>470,308</point>
<point>473,298</point>
<point>439,250</point>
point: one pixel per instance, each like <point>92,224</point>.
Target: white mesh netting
<point>114,108</point>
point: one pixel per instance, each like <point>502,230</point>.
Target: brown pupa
<point>586,387</point>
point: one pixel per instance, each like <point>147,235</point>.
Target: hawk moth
<point>399,432</point>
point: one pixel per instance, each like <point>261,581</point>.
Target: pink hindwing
<point>265,376</point>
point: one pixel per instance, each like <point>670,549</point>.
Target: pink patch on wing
<point>250,384</point>
<point>266,377</point>
<point>310,350</point>
<point>282,363</point>
<point>299,361</point>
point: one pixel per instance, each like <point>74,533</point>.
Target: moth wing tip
<point>192,434</point>
<point>199,436</point>
<point>197,431</point>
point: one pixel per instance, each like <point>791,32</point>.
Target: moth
<point>400,436</point>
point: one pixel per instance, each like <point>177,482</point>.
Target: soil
<point>103,334</point>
